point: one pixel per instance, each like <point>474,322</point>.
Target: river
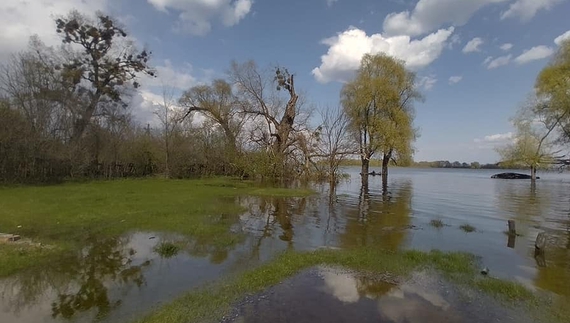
<point>118,279</point>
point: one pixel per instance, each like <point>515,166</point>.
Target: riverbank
<point>58,219</point>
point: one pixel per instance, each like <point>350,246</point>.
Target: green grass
<point>65,215</point>
<point>167,249</point>
<point>212,302</point>
<point>467,228</point>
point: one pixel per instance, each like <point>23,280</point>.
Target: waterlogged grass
<point>211,303</point>
<point>436,223</point>
<point>214,301</point>
<point>69,213</point>
<point>467,228</point>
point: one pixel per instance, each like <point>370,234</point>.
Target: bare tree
<point>260,101</point>
<point>336,144</point>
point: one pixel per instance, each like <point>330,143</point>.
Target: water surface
<point>118,279</point>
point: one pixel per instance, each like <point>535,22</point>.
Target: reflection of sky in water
<point>396,219</point>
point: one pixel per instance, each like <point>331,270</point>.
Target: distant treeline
<point>429,164</point>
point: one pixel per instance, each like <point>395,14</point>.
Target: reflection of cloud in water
<point>341,286</point>
<point>410,302</point>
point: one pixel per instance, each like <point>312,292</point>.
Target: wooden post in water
<point>512,228</point>
<point>539,248</point>
<point>512,234</point>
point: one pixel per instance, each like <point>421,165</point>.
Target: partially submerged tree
<point>379,104</point>
<point>257,99</point>
<point>531,146</point>
<point>334,143</point>
<point>101,63</point>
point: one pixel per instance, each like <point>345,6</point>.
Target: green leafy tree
<point>379,104</point>
<point>553,89</point>
<point>102,62</point>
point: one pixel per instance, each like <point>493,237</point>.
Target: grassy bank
<point>211,303</point>
<point>61,217</point>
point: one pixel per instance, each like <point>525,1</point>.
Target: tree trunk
<point>365,170</point>
<point>385,160</point>
<point>533,173</point>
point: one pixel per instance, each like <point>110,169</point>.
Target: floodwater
<point>335,295</point>
<point>119,279</point>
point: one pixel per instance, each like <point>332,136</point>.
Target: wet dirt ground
<point>324,294</point>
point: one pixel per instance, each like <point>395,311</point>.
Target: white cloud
<point>21,19</point>
<point>506,47</point>
<point>565,36</point>
<point>533,54</point>
<point>429,15</point>
<point>331,2</point>
<point>527,9</point>
<point>497,62</point>
<point>496,138</point>
<point>473,45</point>
<point>455,79</point>
<point>195,16</point>
<point>427,82</point>
<point>177,77</point>
<point>347,48</point>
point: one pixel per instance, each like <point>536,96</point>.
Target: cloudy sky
<point>476,60</point>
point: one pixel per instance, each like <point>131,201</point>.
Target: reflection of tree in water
<point>102,261</point>
<point>555,276</point>
<point>78,280</point>
<point>272,216</point>
<point>379,220</point>
<point>526,203</point>
<point>536,205</point>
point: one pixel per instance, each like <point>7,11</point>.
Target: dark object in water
<point>512,176</point>
<point>374,173</point>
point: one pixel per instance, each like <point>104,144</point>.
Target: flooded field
<point>117,279</point>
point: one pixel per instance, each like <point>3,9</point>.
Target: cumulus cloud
<point>506,47</point>
<point>496,138</point>
<point>21,19</point>
<point>347,48</point>
<point>565,36</point>
<point>493,63</point>
<point>429,15</point>
<point>427,82</point>
<point>195,16</point>
<point>527,9</point>
<point>455,79</point>
<point>331,2</point>
<point>533,54</point>
<point>177,77</point>
<point>473,45</point>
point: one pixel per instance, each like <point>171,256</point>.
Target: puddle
<point>332,295</point>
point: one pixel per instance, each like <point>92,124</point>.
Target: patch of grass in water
<point>504,289</point>
<point>467,228</point>
<point>436,223</point>
<point>167,249</point>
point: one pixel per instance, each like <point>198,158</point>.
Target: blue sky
<point>472,85</point>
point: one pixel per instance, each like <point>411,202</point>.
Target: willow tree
<point>379,103</point>
<point>217,103</point>
<point>531,146</point>
<point>553,88</point>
